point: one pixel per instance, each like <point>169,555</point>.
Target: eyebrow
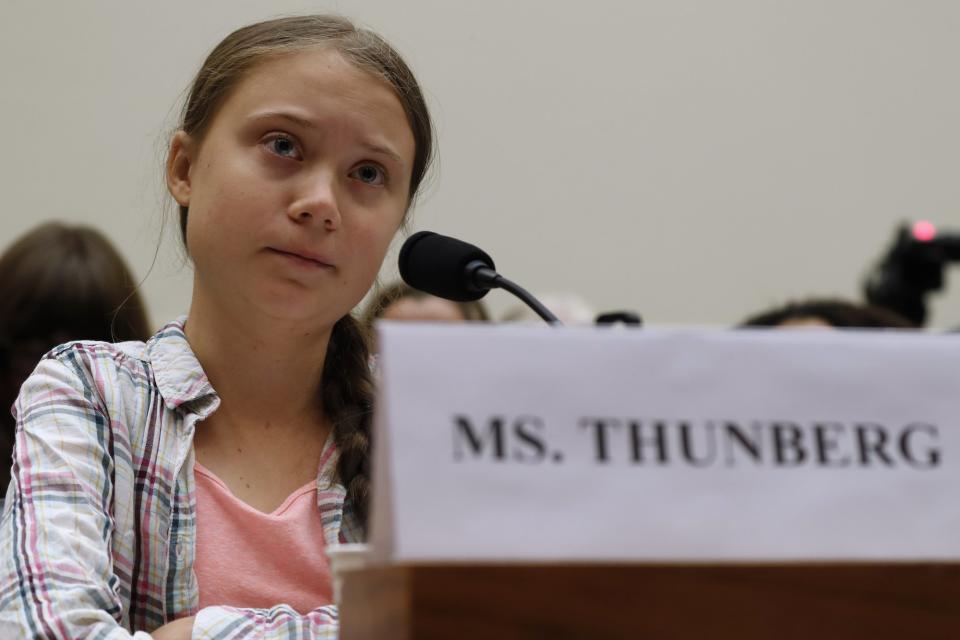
<point>309,124</point>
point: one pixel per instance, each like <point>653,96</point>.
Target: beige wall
<point>694,160</point>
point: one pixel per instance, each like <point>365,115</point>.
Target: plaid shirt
<point>98,530</point>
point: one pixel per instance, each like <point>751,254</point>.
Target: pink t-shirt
<point>247,558</point>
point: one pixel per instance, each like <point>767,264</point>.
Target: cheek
<point>223,178</point>
<point>386,233</point>
<point>224,216</point>
<point>374,226</point>
<point>369,247</point>
<point>369,258</point>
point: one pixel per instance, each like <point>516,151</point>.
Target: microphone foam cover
<point>437,264</point>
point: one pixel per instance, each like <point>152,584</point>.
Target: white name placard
<point>517,443</point>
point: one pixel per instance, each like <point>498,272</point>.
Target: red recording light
<point>924,231</point>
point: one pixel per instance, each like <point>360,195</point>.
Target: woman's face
<point>296,189</point>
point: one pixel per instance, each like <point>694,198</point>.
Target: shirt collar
<point>178,373</point>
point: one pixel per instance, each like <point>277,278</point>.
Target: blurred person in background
<point>828,313</point>
<point>399,301</point>
<point>58,283</point>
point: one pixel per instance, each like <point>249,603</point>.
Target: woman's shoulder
<point>129,368</point>
<point>119,352</point>
<point>101,361</point>
<point>133,353</point>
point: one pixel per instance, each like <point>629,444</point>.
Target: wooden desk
<point>660,601</point>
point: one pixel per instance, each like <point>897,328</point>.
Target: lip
<point>303,256</point>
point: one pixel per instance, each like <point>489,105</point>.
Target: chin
<point>295,307</point>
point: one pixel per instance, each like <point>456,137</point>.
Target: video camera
<point>911,269</point>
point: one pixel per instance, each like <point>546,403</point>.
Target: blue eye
<point>369,174</point>
<point>283,146</point>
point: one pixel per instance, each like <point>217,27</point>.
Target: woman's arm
<point>56,569</point>
<point>181,629</point>
<point>277,623</point>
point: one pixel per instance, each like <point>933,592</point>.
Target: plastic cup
<point>343,559</point>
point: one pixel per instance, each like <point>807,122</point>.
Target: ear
<point>180,160</point>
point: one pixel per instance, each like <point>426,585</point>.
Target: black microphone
<point>456,270</point>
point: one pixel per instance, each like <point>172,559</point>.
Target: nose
<point>316,202</point>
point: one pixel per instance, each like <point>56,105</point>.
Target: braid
<point>347,395</point>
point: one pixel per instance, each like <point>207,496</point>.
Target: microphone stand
<point>482,278</point>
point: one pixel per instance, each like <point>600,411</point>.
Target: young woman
<point>187,486</point>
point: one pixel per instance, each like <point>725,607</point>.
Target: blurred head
<point>426,309</point>
<point>828,313</point>
<point>60,283</point>
<point>403,303</point>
